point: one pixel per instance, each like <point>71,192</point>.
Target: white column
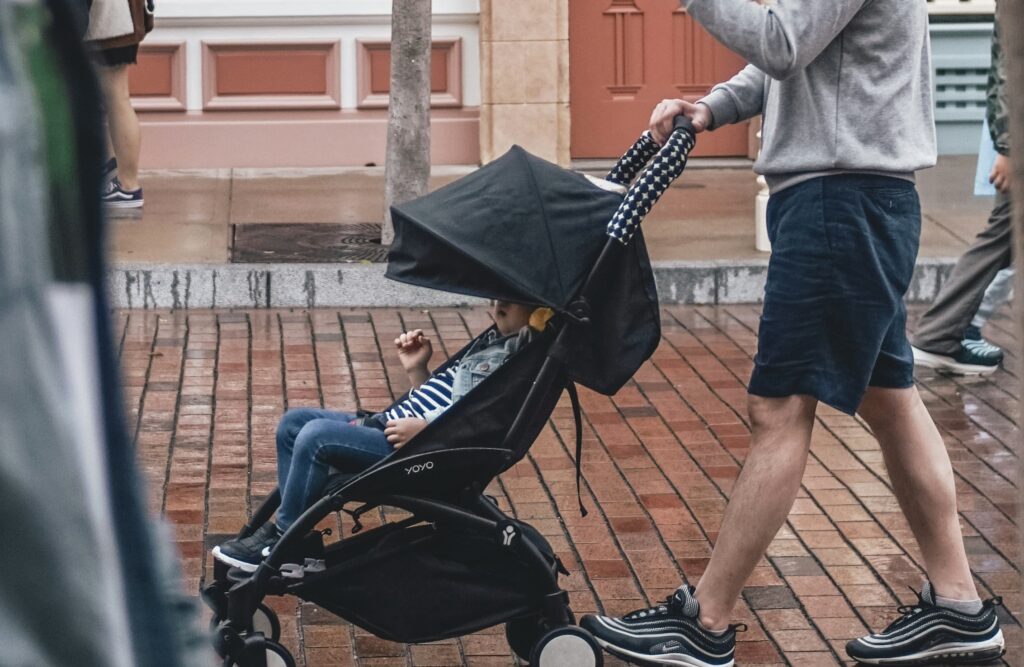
<point>761,241</point>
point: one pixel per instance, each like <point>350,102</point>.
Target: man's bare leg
<point>760,501</point>
<point>922,480</point>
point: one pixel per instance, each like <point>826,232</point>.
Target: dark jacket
<point>998,101</point>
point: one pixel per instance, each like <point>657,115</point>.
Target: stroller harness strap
<point>667,166</point>
<point>577,417</point>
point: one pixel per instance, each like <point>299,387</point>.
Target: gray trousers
<point>941,328</point>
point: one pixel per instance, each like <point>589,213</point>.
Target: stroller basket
<point>426,582</point>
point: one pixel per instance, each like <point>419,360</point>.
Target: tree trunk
<point>407,163</point>
<point>1011,18</point>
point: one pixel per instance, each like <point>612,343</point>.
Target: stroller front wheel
<point>571,646</point>
<point>523,633</point>
<point>275,656</point>
<point>263,620</point>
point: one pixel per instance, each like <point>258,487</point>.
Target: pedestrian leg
<point>922,480</point>
<point>760,500</point>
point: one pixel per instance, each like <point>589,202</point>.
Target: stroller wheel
<point>524,633</point>
<point>263,620</point>
<point>571,646</point>
<point>276,656</point>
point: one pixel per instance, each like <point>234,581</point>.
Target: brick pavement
<point>204,391</point>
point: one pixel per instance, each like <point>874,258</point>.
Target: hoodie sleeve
<point>780,39</point>
<point>738,99</point>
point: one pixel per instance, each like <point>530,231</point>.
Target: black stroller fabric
<point>523,229</point>
<point>484,418</point>
<point>426,582</point>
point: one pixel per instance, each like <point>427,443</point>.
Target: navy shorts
<point>834,322</point>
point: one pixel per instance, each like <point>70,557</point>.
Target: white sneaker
<point>968,361</point>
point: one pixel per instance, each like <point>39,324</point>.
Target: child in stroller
<point>311,441</point>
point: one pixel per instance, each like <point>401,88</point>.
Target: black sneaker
<point>669,634</point>
<point>929,634</point>
<point>247,553</point>
<point>975,357</point>
<point>115,196</point>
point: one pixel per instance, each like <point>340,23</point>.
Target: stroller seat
<point>468,444</point>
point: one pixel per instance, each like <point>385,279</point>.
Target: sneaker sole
<point>942,363</point>
<point>653,661</point>
<point>233,562</point>
<point>953,653</point>
<point>124,204</point>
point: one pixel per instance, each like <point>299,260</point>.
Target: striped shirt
<point>428,401</point>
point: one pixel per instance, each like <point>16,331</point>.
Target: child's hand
<point>401,431</point>
<point>414,350</point>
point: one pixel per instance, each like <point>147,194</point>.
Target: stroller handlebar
<point>666,167</point>
<point>681,122</point>
<point>633,160</point>
<point>640,153</point>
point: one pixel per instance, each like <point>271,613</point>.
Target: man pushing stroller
<point>844,88</point>
<point>312,441</point>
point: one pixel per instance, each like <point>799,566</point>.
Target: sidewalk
<point>292,237</point>
<point>205,389</point>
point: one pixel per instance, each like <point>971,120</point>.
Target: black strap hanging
<point>577,417</point>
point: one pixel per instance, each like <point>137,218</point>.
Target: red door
<point>625,56</point>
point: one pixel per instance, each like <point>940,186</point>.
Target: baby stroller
<point>518,229</point>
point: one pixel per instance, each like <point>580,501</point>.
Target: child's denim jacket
<point>486,355</point>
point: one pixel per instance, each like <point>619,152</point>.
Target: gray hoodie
<point>843,85</point>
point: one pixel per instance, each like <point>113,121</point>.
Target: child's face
<point>509,317</point>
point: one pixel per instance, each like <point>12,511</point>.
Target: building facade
<point>304,83</point>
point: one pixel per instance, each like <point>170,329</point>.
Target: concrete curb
<point>203,286</point>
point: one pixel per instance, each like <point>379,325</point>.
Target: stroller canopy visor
<point>519,229</point>
<point>525,230</point>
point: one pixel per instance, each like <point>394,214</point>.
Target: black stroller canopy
<point>519,229</point>
<point>523,229</point>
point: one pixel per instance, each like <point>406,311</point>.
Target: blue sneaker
<point>115,196</point>
<point>248,552</point>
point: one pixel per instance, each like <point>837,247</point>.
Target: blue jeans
<point>309,442</point>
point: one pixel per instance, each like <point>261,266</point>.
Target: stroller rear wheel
<point>571,646</point>
<point>275,656</point>
<point>263,620</point>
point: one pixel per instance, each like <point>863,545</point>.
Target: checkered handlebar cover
<point>635,159</point>
<point>666,167</point>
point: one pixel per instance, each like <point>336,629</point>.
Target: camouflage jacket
<point>998,102</point>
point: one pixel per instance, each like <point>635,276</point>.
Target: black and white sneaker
<point>975,357</point>
<point>247,553</point>
<point>115,196</point>
<point>669,634</point>
<point>929,634</point>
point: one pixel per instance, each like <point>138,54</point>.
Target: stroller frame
<point>236,598</point>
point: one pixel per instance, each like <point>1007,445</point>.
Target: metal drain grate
<point>316,243</point>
